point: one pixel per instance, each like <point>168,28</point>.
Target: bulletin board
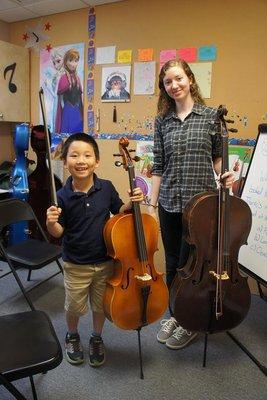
<point>253,256</point>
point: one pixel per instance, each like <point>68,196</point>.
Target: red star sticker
<point>48,47</point>
<point>47,26</point>
<point>25,36</point>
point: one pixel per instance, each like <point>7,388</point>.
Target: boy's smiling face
<point>81,160</point>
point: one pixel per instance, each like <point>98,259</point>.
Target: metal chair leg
<point>34,394</point>
<point>29,275</point>
<point>59,266</point>
<point>21,286</point>
<point>11,388</point>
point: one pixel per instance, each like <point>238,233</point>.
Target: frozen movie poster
<point>62,77</point>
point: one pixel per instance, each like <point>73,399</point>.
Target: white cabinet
<point>14,83</point>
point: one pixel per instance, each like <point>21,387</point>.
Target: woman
<point>187,152</point>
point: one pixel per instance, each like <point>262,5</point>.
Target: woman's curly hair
<point>165,103</point>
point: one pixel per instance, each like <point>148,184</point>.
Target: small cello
<point>208,294</point>
<point>136,295</point>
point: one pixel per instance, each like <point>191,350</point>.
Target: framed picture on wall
<point>115,86</point>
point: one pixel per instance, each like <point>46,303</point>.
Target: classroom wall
<point>239,77</point>
<point>6,148</point>
<point>236,28</point>
<point>6,140</point>
<point>4,31</point>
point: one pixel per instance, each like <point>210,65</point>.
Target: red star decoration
<point>48,47</point>
<point>47,26</point>
<point>25,36</point>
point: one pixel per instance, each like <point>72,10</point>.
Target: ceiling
<point>20,10</point>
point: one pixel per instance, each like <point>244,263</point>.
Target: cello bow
<point>48,149</point>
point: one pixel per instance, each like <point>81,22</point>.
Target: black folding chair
<point>31,253</point>
<point>28,346</point>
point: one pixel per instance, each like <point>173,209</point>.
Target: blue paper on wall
<point>207,53</point>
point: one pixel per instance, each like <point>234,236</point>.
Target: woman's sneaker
<point>180,338</point>
<point>97,353</point>
<point>167,328</point>
<point>73,349</point>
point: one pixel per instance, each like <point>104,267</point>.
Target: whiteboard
<point>253,256</point>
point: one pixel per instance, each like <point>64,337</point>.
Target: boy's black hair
<point>83,137</point>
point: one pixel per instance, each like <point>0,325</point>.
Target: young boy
<point>85,203</point>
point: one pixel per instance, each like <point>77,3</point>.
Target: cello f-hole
<point>148,267</point>
<point>128,278</point>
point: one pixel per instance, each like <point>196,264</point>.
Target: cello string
<point>227,235</point>
<point>138,220</point>
<point>224,217</point>
<point>219,257</point>
<point>141,238</point>
<point>140,234</point>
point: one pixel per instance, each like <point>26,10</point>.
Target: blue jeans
<point>175,247</point>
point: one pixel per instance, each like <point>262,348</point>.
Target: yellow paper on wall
<point>124,56</point>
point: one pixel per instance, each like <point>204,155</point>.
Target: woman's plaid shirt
<point>183,155</point>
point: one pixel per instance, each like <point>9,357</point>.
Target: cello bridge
<point>224,276</point>
<point>144,278</point>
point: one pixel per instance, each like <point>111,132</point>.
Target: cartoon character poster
<point>62,77</point>
<point>116,84</point>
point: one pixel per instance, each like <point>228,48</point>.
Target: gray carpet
<point>168,374</point>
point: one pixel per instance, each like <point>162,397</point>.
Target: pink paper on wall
<point>188,54</point>
<point>166,55</point>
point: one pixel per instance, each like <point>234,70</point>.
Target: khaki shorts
<point>83,282</point>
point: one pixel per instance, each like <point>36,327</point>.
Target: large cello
<point>136,295</point>
<point>43,182</point>
<point>209,294</point>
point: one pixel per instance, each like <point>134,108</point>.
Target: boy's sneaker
<point>73,348</point>
<point>97,353</point>
<point>166,330</point>
<point>180,338</point>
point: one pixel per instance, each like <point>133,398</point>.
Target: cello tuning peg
<point>229,121</point>
<point>117,155</point>
<point>233,130</point>
<point>136,158</point>
<point>118,163</point>
<point>130,151</point>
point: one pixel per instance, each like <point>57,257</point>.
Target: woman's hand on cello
<point>228,179</point>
